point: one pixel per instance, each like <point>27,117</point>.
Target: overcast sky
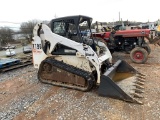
<point>18,11</point>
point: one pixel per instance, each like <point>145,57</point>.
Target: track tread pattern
<point>71,69</point>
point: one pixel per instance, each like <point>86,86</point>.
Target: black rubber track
<point>71,69</point>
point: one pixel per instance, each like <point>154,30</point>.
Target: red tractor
<point>134,41</point>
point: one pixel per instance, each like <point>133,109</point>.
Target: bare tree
<point>27,28</point>
<point>6,35</point>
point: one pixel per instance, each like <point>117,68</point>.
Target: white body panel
<point>84,54</point>
<point>79,62</point>
<point>38,54</point>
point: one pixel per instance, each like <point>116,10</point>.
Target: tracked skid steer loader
<point>67,56</point>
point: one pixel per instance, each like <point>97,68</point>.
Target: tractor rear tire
<point>139,55</point>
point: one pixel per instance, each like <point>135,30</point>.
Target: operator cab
<point>76,28</point>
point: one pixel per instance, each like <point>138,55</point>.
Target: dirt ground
<point>22,97</point>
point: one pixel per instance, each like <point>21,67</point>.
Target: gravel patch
<point>20,102</point>
<point>16,72</point>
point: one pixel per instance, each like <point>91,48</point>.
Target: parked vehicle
<point>66,58</point>
<point>27,49</point>
<point>10,52</point>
